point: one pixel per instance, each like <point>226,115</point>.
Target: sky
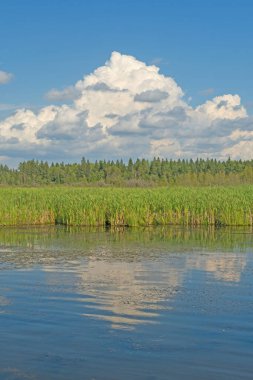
<point>108,79</point>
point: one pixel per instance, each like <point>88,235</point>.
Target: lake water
<point>161,303</point>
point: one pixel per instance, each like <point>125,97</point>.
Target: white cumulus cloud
<point>127,108</point>
<point>223,107</point>
<point>5,77</point>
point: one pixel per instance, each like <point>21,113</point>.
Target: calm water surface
<point>149,304</point>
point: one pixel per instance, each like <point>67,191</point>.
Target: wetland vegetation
<point>193,206</point>
<point>136,193</point>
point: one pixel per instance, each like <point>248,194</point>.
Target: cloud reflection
<point>125,278</point>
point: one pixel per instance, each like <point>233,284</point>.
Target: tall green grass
<point>129,207</point>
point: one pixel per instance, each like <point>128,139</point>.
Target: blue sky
<point>204,45</point>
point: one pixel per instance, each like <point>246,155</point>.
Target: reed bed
<point>230,206</point>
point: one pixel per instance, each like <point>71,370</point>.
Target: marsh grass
<point>127,206</point>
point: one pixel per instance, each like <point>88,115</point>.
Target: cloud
<point>5,77</point>
<point>127,108</point>
<point>242,150</point>
<point>223,107</point>
<point>103,87</point>
<point>151,96</point>
<point>68,93</point>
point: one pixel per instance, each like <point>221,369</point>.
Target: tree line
<point>140,172</point>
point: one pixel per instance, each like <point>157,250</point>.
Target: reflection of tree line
<point>57,237</point>
<point>125,275</point>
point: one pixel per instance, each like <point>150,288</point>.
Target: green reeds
<point>127,206</point>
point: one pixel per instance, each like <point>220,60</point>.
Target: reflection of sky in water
<point>125,281</point>
<point>133,304</point>
<point>226,268</point>
<point>124,293</point>
<point>131,293</point>
<point>3,303</point>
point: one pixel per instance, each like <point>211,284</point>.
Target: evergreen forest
<point>134,173</point>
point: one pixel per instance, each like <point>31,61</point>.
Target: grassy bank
<point>132,207</point>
